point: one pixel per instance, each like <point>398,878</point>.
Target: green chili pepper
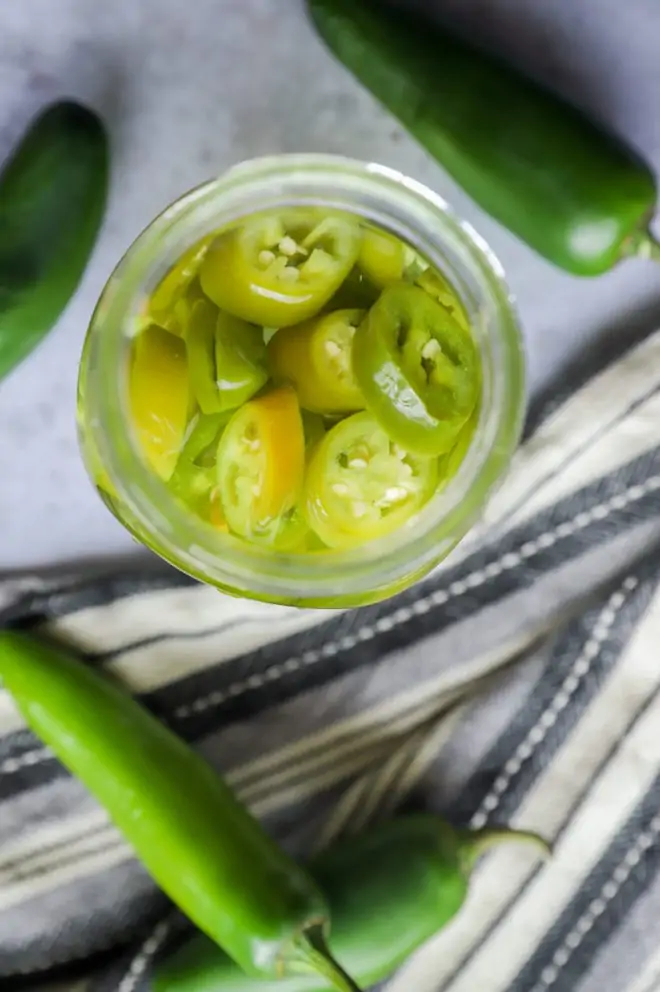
<point>52,198</point>
<point>573,192</point>
<point>194,837</point>
<point>389,890</point>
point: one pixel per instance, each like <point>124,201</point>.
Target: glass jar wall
<point>350,563</point>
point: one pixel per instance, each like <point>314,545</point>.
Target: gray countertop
<point>189,88</point>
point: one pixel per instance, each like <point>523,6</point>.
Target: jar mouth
<point>385,198</point>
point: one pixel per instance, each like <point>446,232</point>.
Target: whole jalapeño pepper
<point>192,834</point>
<point>389,890</point>
<point>572,191</point>
<point>53,192</point>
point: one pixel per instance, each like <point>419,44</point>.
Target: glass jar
<point>142,502</point>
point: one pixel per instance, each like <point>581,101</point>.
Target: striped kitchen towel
<point>520,683</point>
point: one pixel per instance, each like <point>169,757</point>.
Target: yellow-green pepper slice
<point>226,356</point>
<point>417,368</point>
<point>315,357</point>
<point>261,463</point>
<point>194,477</point>
<point>438,287</point>
<point>203,433</point>
<point>360,485</point>
<point>278,269</point>
<point>200,345</point>
<point>381,258</point>
<point>170,303</point>
<point>288,532</point>
<point>159,396</point>
<point>240,360</point>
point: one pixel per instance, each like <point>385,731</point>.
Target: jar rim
<point>386,198</point>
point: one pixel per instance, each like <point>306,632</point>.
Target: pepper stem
<point>643,244</point>
<point>312,955</point>
<point>474,843</point>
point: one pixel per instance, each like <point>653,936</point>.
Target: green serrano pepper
<point>389,890</point>
<point>197,841</point>
<point>573,192</point>
<point>52,199</point>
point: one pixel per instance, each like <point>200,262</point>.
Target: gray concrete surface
<point>189,88</point>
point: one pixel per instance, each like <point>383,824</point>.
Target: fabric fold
<point>518,683</point>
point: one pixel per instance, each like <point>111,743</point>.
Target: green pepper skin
<point>205,433</point>
<point>193,836</point>
<point>576,194</point>
<point>423,415</point>
<point>226,357</point>
<point>240,358</point>
<point>389,890</point>
<point>200,349</point>
<point>53,193</point>
<point>195,472</point>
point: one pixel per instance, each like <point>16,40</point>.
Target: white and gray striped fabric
<point>520,683</point>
